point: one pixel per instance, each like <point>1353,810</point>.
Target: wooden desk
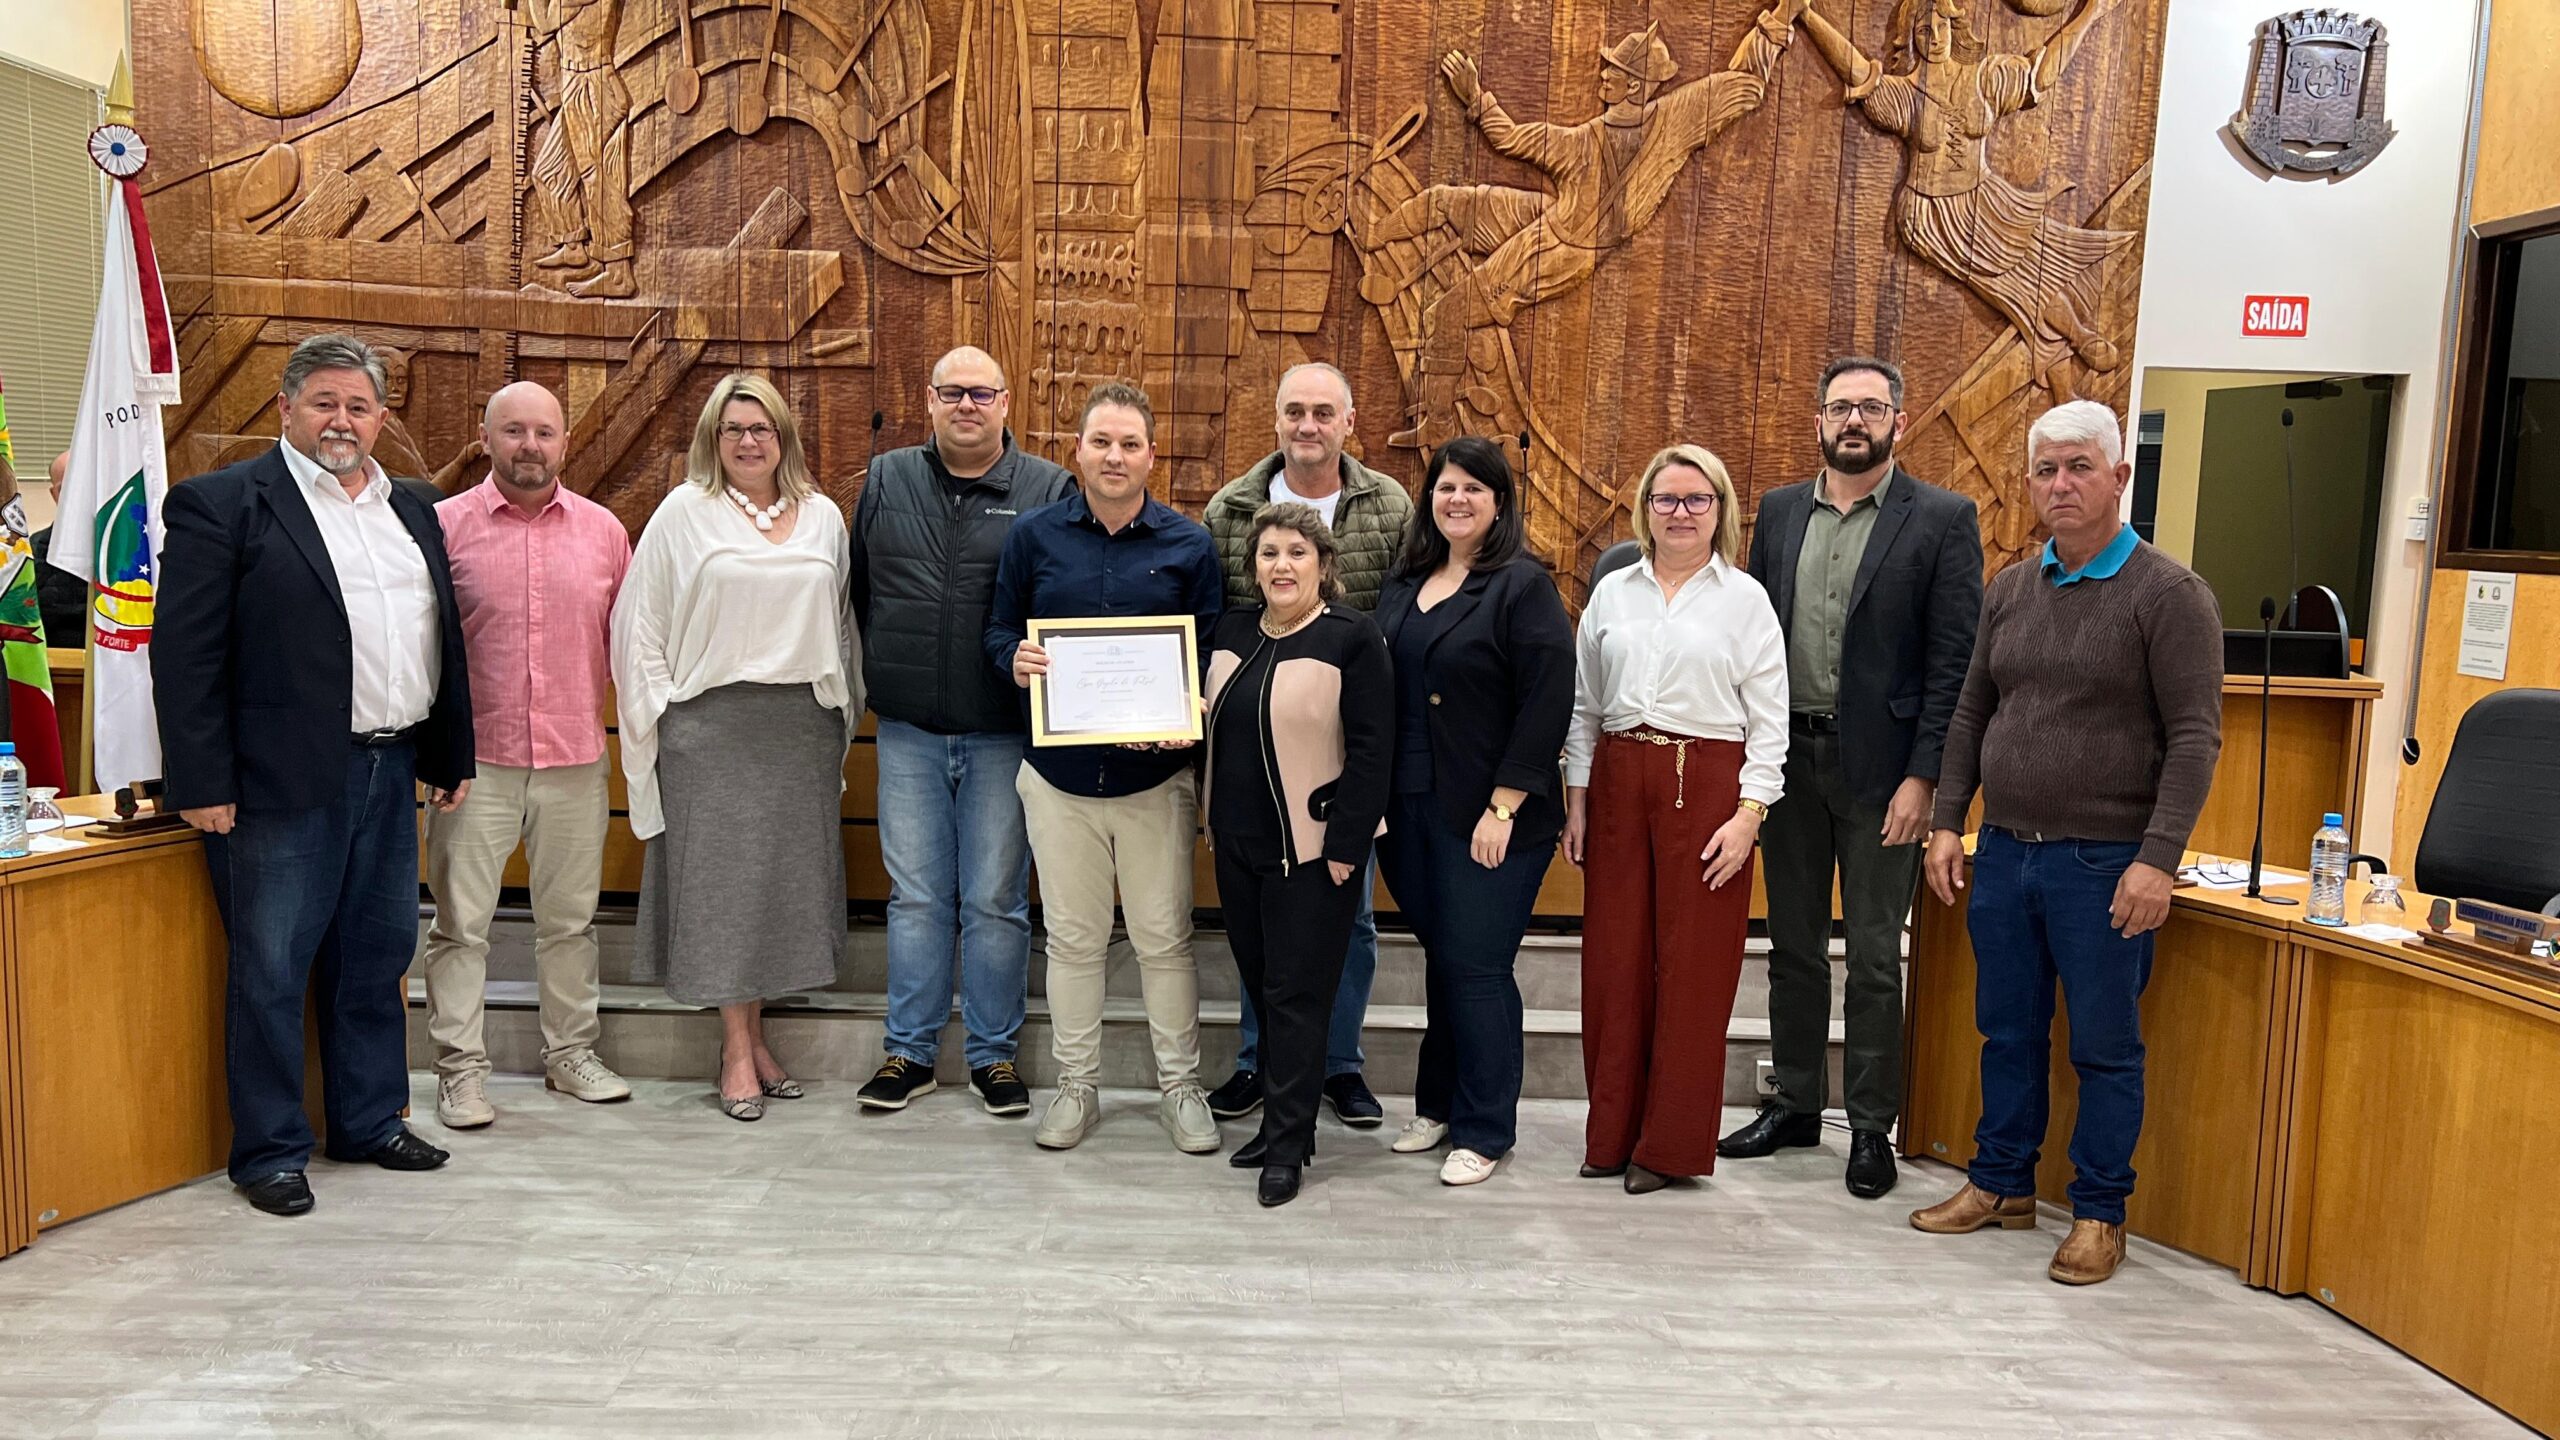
<point>111,998</point>
<point>2316,733</point>
<point>2418,1175</point>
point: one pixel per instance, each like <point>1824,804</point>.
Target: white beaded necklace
<point>765,517</point>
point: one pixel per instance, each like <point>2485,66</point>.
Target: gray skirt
<point>742,895</point>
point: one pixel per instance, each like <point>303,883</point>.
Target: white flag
<point>107,527</point>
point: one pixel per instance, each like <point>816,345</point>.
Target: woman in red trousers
<point>1678,748</point>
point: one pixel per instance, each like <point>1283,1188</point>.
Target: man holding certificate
<point>1102,603</point>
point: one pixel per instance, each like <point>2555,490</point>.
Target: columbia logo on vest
<point>991,510</point>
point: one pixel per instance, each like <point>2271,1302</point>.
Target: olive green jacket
<point>1368,526</point>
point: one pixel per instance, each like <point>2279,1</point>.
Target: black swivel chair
<point>1616,557</point>
<point>2493,832</point>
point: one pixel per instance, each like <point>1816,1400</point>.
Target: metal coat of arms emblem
<point>2315,99</point>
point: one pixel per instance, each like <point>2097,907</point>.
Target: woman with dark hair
<point>1299,744</point>
<point>1484,693</point>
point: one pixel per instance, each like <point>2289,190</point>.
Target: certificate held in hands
<point>1119,681</point>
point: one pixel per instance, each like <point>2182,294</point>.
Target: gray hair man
<point>927,532</point>
<point>2090,720</point>
<point>1312,416</point>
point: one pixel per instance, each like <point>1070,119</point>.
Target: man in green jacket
<point>1367,513</point>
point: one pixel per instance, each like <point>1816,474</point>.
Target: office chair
<point>1616,557</point>
<point>2493,832</point>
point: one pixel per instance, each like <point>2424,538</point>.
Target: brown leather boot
<point>1972,1208</point>
<point>2089,1254</point>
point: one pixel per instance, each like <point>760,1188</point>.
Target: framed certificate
<point>1116,681</point>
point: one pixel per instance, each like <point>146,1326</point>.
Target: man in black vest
<point>927,531</point>
<point>307,660</point>
<point>1877,580</point>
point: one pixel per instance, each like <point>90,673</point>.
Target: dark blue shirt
<point>1059,563</point>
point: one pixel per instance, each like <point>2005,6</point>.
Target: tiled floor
<point>654,1269</point>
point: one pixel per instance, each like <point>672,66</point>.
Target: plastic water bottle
<point>13,803</point>
<point>2329,850</point>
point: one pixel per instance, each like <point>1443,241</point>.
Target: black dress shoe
<point>1590,1171</point>
<point>283,1193</point>
<point>1641,1181</point>
<point>1871,1169</point>
<point>1239,1097</point>
<point>403,1151</point>
<point>1251,1154</point>
<point>1279,1185</point>
<point>1774,1129</point>
<point>1352,1103</point>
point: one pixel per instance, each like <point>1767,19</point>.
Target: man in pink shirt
<point>535,571</point>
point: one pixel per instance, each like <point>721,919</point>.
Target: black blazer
<point>1913,610</point>
<point>1501,687</point>
<point>250,658</point>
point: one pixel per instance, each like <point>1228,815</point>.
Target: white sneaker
<point>1185,1115</point>
<point>1420,1134</point>
<point>581,1076</point>
<point>1072,1116</point>
<point>1466,1167</point>
<point>462,1101</point>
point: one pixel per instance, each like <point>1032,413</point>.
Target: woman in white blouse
<point>1678,748</point>
<point>739,687</point>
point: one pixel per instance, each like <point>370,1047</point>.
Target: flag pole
<point>119,112</point>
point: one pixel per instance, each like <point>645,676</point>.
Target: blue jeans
<point>1470,921</point>
<point>959,867</point>
<point>2039,915</point>
<point>1350,998</point>
<point>320,903</point>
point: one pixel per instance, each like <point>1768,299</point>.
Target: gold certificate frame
<point>1117,680</point>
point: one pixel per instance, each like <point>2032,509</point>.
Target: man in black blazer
<point>308,664</point>
<point>1877,580</point>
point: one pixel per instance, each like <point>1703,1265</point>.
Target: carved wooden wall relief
<point>1583,226</point>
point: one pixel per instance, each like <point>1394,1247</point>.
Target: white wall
<point>2374,253</point>
<point>76,38</point>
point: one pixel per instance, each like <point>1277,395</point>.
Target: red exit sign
<point>2276,315</point>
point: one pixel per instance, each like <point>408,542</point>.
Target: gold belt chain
<point>1679,747</point>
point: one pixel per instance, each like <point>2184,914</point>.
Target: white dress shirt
<point>392,626</point>
<point>710,601</point>
<point>1710,662</point>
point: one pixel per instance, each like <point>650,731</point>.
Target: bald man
<point>927,531</point>
<point>535,571</point>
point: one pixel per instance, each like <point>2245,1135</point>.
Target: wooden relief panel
<point>1586,228</point>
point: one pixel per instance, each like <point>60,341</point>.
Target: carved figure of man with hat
<point>585,160</point>
<point>1611,172</point>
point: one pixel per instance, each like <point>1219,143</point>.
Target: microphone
<point>871,442</point>
<point>2266,692</point>
<point>2292,532</point>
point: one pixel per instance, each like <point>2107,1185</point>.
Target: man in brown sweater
<point>2090,720</point>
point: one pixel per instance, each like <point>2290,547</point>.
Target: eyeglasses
<point>1874,412</point>
<point>1698,504</point>
<point>978,395</point>
<point>758,433</point>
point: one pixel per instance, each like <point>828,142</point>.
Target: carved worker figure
<point>2008,245</point>
<point>1611,173</point>
<point>585,162</point>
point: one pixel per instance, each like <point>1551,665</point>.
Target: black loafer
<point>1871,1168</point>
<point>284,1193</point>
<point>1775,1128</point>
<point>1279,1185</point>
<point>1239,1097</point>
<point>403,1151</point>
<point>1352,1103</point>
<point>1590,1171</point>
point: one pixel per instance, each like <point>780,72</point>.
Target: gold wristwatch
<point>1501,811</point>
<point>1755,807</point>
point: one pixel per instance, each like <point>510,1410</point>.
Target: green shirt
<point>1826,572</point>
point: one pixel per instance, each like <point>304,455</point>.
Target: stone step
<point>1549,967</point>
<point>834,1035</point>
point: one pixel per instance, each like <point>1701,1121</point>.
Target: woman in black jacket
<point>1483,660</point>
<point>1296,777</point>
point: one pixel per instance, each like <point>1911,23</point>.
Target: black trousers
<point>1289,933</point>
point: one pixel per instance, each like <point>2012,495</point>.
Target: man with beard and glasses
<point>1877,580</point>
<point>308,663</point>
<point>536,568</point>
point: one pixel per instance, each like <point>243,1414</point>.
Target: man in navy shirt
<point>1106,817</point>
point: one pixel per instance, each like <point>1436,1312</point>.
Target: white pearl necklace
<point>765,517</point>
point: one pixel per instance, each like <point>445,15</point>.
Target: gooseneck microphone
<point>2292,532</point>
<point>2266,692</point>
<point>871,442</point>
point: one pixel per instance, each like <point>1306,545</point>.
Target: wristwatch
<point>1501,811</point>
<point>1755,807</point>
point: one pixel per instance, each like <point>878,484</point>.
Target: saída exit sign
<point>2275,316</point>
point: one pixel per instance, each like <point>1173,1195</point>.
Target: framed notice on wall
<point>2488,617</point>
